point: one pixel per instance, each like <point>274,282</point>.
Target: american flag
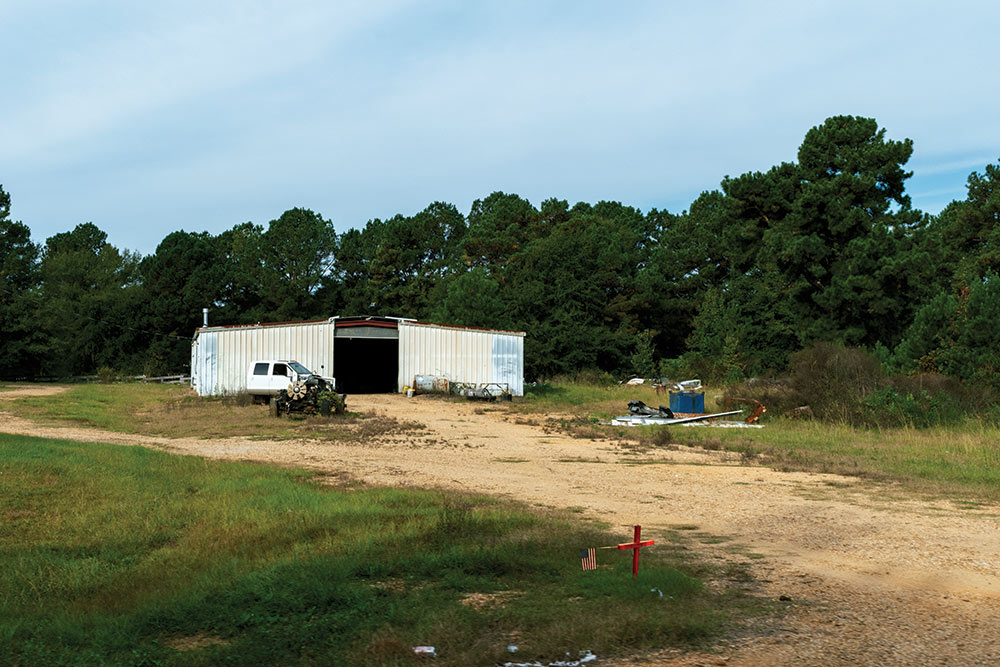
<point>588,558</point>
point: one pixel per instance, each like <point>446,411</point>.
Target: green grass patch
<point>600,401</point>
<point>124,555</point>
<point>175,411</point>
<point>115,407</point>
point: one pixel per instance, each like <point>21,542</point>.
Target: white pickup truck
<point>271,377</point>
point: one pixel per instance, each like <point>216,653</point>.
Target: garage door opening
<point>366,365</point>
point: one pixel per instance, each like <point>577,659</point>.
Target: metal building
<point>365,354</point>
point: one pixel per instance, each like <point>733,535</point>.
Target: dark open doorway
<point>366,365</point>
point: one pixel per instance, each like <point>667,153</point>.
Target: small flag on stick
<point>588,558</point>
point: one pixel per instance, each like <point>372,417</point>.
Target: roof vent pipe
<point>204,316</point>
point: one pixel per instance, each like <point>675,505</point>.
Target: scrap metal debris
<point>486,391</point>
<point>724,424</point>
<point>430,384</point>
<point>585,657</point>
<point>641,409</point>
<point>665,385</point>
<point>758,410</point>
<point>641,414</point>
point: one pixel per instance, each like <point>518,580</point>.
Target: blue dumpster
<point>687,401</point>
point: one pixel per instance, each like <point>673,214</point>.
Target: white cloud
<point>165,56</point>
<point>362,110</point>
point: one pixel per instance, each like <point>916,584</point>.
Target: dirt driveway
<point>871,577</point>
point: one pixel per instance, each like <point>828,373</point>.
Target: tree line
<point>824,249</point>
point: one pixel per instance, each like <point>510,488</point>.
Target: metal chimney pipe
<point>204,316</point>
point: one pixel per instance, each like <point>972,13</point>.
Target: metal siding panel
<point>197,365</point>
<point>211,367</point>
<point>194,365</point>
<point>416,353</point>
<point>518,343</point>
<point>401,361</point>
<point>413,353</point>
<point>508,362</point>
<point>404,355</point>
<point>461,355</point>
<point>223,344</point>
<point>200,355</point>
<point>485,355</point>
<point>223,357</point>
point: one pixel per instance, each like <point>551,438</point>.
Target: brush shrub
<point>849,385</point>
<point>888,407</point>
<point>591,376</point>
<point>834,379</point>
<point>108,375</point>
<point>776,393</point>
<point>330,402</point>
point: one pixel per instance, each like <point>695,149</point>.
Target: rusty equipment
<point>758,410</point>
<point>311,396</point>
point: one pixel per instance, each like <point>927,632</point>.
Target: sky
<point>146,118</point>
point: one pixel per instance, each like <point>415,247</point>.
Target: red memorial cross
<point>636,545</point>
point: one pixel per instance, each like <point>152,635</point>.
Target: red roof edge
<point>362,321</point>
<point>365,323</point>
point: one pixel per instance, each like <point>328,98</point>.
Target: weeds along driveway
<point>871,577</point>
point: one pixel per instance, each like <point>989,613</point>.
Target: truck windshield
<point>299,368</point>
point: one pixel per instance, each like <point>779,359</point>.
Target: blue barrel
<point>687,401</point>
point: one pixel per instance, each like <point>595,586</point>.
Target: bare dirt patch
<point>867,575</point>
<point>194,642</point>
<point>489,600</point>
<point>14,392</point>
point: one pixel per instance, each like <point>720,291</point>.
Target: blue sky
<point>146,118</point>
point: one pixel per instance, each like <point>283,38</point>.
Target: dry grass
<point>211,420</point>
<point>955,461</point>
<point>960,460</point>
<point>574,398</point>
<point>199,418</point>
<point>640,438</point>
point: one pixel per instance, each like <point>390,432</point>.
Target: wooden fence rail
<point>161,379</point>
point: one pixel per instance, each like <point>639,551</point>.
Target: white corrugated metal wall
<point>220,357</point>
<point>461,355</point>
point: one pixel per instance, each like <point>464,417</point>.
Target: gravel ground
<point>868,575</point>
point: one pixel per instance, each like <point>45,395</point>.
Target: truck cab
<point>271,376</point>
